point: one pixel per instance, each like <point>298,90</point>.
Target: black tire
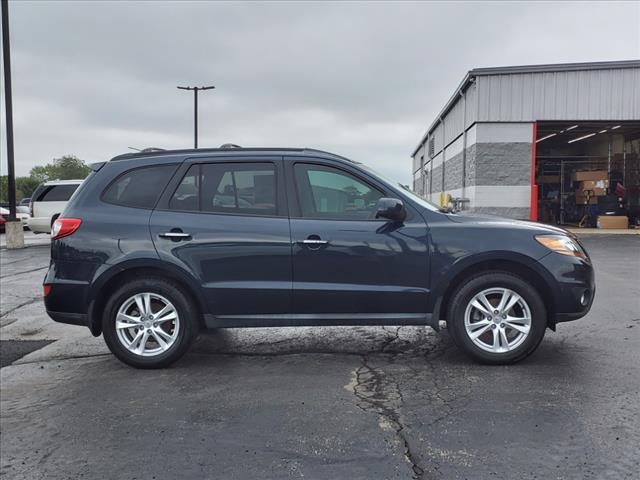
<point>189,324</point>
<point>496,279</point>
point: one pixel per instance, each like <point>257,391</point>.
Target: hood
<point>502,222</point>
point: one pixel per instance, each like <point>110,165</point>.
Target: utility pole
<point>8,109</point>
<point>195,109</point>
<point>13,227</point>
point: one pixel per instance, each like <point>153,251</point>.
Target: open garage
<point>588,170</point>
<point>555,143</point>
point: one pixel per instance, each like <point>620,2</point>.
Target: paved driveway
<point>326,402</point>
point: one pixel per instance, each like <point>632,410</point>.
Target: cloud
<point>360,79</point>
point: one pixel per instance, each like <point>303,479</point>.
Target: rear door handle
<point>175,235</point>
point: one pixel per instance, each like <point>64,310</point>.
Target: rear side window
<point>139,188</point>
<point>55,193</point>
<point>247,188</point>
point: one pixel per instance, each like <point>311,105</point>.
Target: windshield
<point>405,189</point>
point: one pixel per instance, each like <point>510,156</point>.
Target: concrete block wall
<point>496,166</point>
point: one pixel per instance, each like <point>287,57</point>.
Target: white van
<point>48,202</point>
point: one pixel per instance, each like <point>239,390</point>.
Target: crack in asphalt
<point>23,259</point>
<point>61,359</point>
<point>437,396</point>
<point>23,272</point>
<point>376,394</point>
<point>29,302</point>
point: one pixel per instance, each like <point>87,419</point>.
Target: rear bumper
<point>70,318</point>
<point>39,224</point>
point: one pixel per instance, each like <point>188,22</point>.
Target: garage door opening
<point>587,173</point>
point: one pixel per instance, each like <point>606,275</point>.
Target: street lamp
<point>13,227</point>
<point>195,110</point>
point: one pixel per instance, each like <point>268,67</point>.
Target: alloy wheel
<point>147,324</point>
<point>497,320</point>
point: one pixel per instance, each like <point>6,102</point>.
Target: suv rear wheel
<point>148,323</point>
<point>497,318</point>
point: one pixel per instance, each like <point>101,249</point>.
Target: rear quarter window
<point>140,187</point>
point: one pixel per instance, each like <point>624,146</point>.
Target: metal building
<point>505,129</point>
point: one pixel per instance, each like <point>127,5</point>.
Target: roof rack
<point>227,147</point>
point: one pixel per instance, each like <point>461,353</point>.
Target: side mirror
<point>391,209</point>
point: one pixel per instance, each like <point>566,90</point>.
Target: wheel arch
<point>118,274</point>
<point>520,265</point>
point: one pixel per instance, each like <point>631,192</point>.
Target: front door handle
<point>314,242</point>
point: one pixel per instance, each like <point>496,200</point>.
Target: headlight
<point>562,244</point>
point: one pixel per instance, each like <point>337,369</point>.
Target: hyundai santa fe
<point>153,247</point>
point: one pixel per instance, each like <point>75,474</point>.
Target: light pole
<point>6,53</point>
<point>13,227</point>
<point>195,110</point>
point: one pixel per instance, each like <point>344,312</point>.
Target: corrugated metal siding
<point>454,122</point>
<point>437,135</point>
<point>581,95</point>
<point>472,105</point>
<point>417,158</point>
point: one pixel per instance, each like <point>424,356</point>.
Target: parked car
<point>20,215</point>
<point>48,201</point>
<point>25,201</point>
<point>154,247</point>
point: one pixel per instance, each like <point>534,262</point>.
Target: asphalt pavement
<point>314,403</point>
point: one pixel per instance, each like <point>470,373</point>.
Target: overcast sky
<point>360,79</point>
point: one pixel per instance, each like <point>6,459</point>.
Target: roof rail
<point>226,147</point>
<point>153,149</point>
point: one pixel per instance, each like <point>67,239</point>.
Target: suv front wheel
<point>497,318</point>
<point>149,323</point>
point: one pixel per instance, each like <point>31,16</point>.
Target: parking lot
<point>343,402</point>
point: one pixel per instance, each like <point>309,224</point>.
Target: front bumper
<point>574,288</point>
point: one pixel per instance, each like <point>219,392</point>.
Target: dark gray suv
<point>155,246</point>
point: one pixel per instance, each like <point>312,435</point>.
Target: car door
<point>226,222</point>
<point>346,263</point>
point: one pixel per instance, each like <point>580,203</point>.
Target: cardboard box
<point>613,221</point>
<point>595,192</point>
<point>593,184</point>
<point>582,175</point>
<point>549,179</point>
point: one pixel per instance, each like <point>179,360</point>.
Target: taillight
<point>47,289</point>
<point>63,227</point>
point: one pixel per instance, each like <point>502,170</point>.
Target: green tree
<point>68,167</point>
<point>4,189</point>
<point>24,188</point>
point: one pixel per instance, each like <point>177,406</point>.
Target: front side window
<point>140,187</point>
<point>240,188</point>
<point>326,192</point>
